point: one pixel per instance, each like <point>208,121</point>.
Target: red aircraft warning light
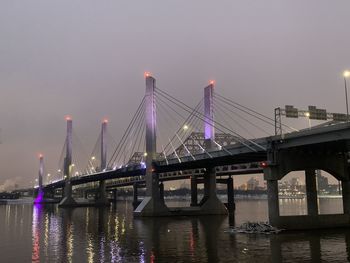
<point>147,74</point>
<point>68,118</point>
<point>212,82</point>
<point>264,164</point>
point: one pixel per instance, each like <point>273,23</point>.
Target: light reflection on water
<point>49,234</point>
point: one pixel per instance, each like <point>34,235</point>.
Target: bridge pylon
<point>102,196</point>
<point>152,204</point>
<point>68,199</point>
<point>40,192</point>
<point>210,204</point>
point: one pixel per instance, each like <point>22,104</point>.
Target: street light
<point>346,74</point>
<point>307,114</point>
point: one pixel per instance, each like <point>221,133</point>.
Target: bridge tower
<point>102,198</point>
<point>67,167</point>
<point>40,193</point>
<point>41,172</point>
<point>210,204</point>
<point>152,204</point>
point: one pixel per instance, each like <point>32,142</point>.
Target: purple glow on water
<point>40,197</point>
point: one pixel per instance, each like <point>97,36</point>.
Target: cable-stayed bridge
<point>207,143</point>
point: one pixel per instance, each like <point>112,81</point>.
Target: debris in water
<point>255,228</point>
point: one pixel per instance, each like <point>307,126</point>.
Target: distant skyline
<point>86,59</point>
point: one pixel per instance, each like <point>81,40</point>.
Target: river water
<point>49,234</point>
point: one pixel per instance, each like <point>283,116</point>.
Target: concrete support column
<point>161,191</point>
<point>194,190</point>
<point>272,199</point>
<point>115,195</point>
<point>230,196</point>
<point>135,196</point>
<point>311,192</point>
<point>346,196</point>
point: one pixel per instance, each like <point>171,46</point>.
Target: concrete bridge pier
<point>272,199</point>
<point>311,192</point>
<point>194,190</point>
<point>161,192</point>
<point>135,201</point>
<point>231,207</point>
<point>210,204</point>
<point>68,200</point>
<point>346,196</point>
<point>102,199</point>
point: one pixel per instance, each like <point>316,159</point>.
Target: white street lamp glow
<point>346,74</point>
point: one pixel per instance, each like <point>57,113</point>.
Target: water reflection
<point>113,235</point>
<point>36,232</point>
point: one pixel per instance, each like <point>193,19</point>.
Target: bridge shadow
<point>313,246</point>
<point>196,237</point>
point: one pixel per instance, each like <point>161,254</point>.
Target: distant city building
<point>243,187</point>
<point>252,184</point>
<point>322,181</point>
<point>295,184</point>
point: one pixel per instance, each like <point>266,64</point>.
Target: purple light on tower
<point>39,198</point>
<point>209,132</point>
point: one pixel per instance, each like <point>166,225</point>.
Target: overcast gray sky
<point>86,58</point>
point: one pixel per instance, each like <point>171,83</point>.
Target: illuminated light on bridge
<point>185,127</point>
<point>147,74</point>
<point>264,164</point>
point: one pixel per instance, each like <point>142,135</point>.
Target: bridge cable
<point>234,104</point>
<point>220,106</point>
<point>126,131</point>
<point>200,115</point>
